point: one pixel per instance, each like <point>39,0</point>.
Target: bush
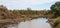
<point>4,17</point>
<point>57,22</point>
<point>55,8</point>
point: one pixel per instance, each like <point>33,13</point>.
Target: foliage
<point>55,8</point>
<point>12,14</point>
<point>4,17</point>
<point>57,22</point>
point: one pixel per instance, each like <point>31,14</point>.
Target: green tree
<point>55,8</point>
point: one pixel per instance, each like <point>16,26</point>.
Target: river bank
<point>8,17</point>
<point>5,22</point>
<point>35,23</point>
<point>55,22</point>
<point>15,16</point>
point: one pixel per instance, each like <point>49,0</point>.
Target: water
<point>35,23</point>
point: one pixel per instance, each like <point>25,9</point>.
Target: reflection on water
<point>35,23</point>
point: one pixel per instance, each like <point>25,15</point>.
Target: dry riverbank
<point>5,22</point>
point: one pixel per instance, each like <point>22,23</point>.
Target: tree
<point>3,8</point>
<point>55,8</point>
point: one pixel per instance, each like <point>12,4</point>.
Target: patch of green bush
<point>57,22</point>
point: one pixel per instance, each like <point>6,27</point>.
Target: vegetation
<point>13,14</point>
<point>23,15</point>
<point>55,9</point>
<point>57,22</point>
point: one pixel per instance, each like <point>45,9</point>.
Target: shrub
<point>56,22</point>
<point>4,17</point>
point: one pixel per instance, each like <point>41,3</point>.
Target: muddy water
<point>35,23</point>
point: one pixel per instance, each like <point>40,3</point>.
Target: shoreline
<point>15,21</point>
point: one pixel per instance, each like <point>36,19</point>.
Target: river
<point>35,23</point>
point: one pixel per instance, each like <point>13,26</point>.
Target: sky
<point>23,4</point>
